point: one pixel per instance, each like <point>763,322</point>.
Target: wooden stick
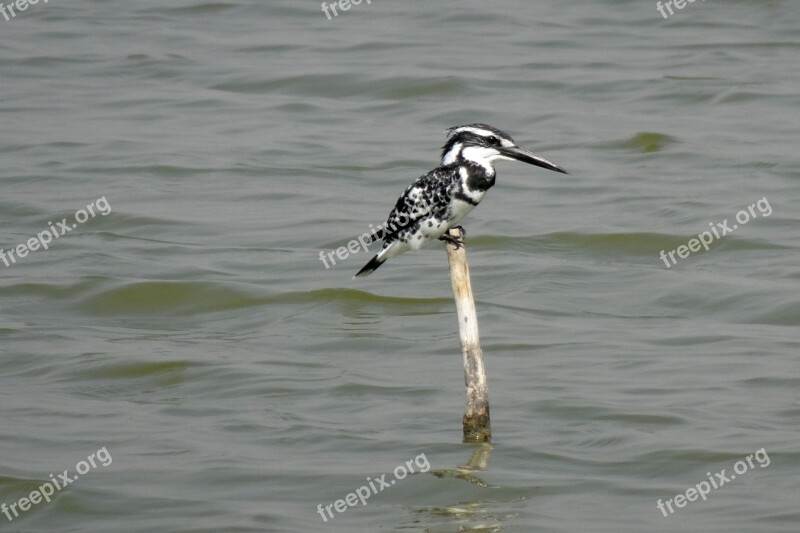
<point>477,427</point>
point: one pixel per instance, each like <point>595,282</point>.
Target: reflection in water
<point>478,461</point>
<point>479,515</point>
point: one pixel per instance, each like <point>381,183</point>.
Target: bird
<point>440,199</point>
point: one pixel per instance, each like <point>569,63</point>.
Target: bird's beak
<point>521,154</point>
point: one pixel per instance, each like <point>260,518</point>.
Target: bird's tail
<point>372,266</point>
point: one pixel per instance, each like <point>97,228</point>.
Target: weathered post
<point>476,414</point>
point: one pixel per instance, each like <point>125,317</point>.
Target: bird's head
<point>483,145</point>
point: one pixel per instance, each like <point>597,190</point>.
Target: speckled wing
<point>426,197</point>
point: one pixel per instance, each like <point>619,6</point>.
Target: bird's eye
<point>494,141</point>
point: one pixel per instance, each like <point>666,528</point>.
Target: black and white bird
<point>437,201</point>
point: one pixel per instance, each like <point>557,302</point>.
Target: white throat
<point>481,156</point>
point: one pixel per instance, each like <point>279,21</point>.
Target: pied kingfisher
<point>437,201</point>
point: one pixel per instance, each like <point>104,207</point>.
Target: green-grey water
<point>191,331</point>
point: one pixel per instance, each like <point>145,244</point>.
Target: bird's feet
<point>455,241</point>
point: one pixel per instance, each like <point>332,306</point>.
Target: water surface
<point>237,383</point>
